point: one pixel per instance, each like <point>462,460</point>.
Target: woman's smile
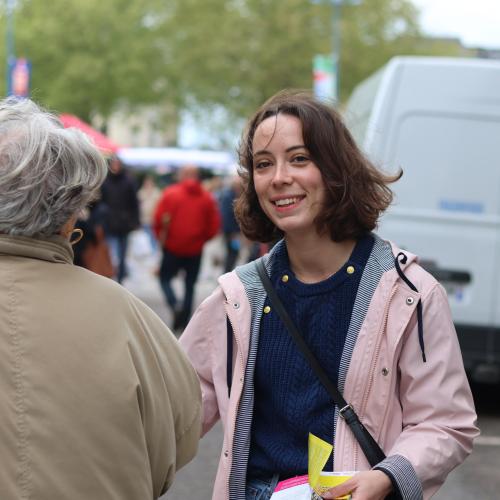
<point>287,203</point>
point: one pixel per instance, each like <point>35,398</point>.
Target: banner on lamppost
<point>325,77</point>
<point>19,77</point>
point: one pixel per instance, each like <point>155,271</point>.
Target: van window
<point>450,163</point>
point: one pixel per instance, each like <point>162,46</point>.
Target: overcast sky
<point>475,22</point>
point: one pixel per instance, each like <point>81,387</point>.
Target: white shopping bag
<point>140,244</point>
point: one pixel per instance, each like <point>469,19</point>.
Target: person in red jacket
<point>185,218</point>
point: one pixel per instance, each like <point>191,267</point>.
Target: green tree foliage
<point>240,52</point>
<point>90,56</point>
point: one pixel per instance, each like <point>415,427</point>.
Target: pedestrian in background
<point>121,217</point>
<point>378,325</point>
<point>92,251</point>
<point>186,217</point>
<point>148,195</point>
<point>230,226</point>
<point>96,398</point>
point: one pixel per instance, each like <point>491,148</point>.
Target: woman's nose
<point>281,174</point>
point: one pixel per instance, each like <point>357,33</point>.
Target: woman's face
<point>288,184</point>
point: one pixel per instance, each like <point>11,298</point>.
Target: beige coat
<point>97,401</point>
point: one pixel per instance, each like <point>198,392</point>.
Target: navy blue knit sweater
<point>290,401</point>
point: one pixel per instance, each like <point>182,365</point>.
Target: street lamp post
<point>336,37</point>
<point>336,41</point>
<point>9,9</point>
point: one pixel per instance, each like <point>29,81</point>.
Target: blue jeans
<point>118,244</point>
<point>261,489</point>
<point>148,229</point>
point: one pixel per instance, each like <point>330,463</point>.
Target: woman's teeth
<point>285,202</point>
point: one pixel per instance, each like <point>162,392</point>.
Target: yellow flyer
<point>319,451</point>
<point>328,480</point>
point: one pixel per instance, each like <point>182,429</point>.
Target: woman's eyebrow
<point>262,152</point>
<point>292,148</point>
<point>287,150</point>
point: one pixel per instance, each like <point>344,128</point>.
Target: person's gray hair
<point>47,173</point>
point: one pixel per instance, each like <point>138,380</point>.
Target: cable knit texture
<point>290,401</point>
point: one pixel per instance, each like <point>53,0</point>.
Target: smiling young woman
<point>362,307</point>
<point>347,175</point>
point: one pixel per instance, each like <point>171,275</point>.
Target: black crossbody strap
<point>229,357</point>
<point>370,447</point>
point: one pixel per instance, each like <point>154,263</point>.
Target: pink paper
<point>290,483</point>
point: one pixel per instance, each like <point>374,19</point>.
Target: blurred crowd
<point>168,220</point>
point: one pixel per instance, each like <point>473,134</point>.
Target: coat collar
<point>55,249</point>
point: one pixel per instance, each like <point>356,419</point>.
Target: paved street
<point>478,477</point>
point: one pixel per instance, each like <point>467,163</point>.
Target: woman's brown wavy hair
<point>357,192</point>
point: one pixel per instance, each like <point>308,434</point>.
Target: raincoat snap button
<point>236,305</point>
<point>385,372</point>
<point>410,300</point>
<point>267,310</point>
<point>284,278</point>
<point>350,269</point>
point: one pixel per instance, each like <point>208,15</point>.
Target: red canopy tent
<point>106,145</point>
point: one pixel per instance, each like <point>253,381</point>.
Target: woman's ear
<point>67,229</point>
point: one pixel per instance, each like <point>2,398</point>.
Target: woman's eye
<point>261,164</point>
<point>300,159</point>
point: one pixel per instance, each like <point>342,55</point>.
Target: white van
<point>439,120</point>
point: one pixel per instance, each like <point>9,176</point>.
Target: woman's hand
<point>368,485</point>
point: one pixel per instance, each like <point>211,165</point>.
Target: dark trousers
<point>232,251</point>
<point>170,265</point>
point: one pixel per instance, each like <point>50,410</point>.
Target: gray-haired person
<point>96,398</point>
